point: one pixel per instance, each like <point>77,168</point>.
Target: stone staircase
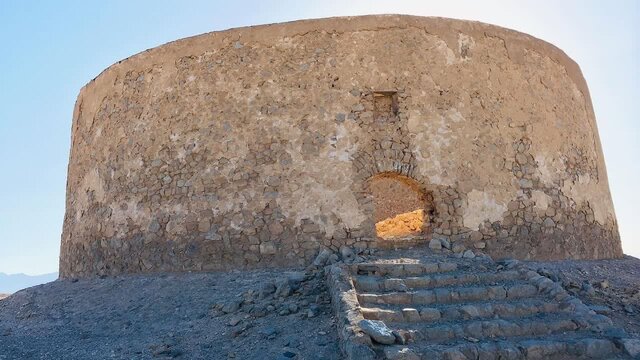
<point>451,308</point>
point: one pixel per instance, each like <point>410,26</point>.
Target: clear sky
<point>50,49</point>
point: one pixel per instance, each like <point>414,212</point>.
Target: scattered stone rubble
<point>442,245</point>
<point>163,316</point>
<point>302,293</point>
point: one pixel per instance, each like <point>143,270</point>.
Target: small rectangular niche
<point>385,105</point>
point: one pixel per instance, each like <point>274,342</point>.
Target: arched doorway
<point>402,208</point>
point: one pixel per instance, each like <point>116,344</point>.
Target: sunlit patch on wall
<point>401,225</point>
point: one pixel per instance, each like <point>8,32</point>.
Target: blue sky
<point>51,49</point>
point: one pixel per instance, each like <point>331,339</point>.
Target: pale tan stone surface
<point>185,156</point>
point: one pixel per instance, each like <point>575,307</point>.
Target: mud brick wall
<point>254,147</point>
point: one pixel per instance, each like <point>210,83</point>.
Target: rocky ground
<point>610,287</point>
<point>236,315</point>
<point>266,314</point>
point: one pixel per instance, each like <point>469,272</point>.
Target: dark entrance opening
<point>401,206</point>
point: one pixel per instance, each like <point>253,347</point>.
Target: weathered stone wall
<point>253,147</point>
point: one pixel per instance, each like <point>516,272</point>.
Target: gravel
<point>609,287</point>
<point>189,316</point>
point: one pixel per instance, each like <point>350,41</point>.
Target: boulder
<point>468,254</point>
<point>322,258</point>
<point>632,347</point>
<point>346,253</point>
<point>400,353</point>
<point>378,331</point>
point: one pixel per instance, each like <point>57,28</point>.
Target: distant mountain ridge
<point>10,283</point>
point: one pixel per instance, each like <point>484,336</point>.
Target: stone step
<point>403,270</point>
<point>579,345</point>
<point>444,313</point>
<point>367,283</point>
<point>538,325</point>
<point>451,309</point>
<point>451,295</point>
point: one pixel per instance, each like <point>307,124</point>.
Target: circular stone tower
<point>258,146</point>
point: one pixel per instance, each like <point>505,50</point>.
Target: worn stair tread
<point>397,287</point>
<point>554,346</point>
<point>538,325</point>
<point>481,310</point>
<point>448,295</point>
<point>410,269</point>
<point>438,313</point>
<point>373,283</point>
<point>537,298</point>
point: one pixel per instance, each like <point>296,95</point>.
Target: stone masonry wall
<point>253,147</point>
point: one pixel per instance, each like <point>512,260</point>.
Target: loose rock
<point>232,306</point>
<point>435,244</point>
<point>322,258</point>
<point>346,253</point>
<point>378,331</point>
<point>632,347</point>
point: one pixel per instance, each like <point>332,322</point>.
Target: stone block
<point>430,314</point>
<point>413,269</point>
<point>411,315</point>
<point>631,347</point>
<point>267,248</point>
<point>395,285</point>
<point>418,282</point>
<point>423,297</point>
<point>447,266</point>
<point>521,291</point>
<point>397,298</point>
<point>367,284</point>
<point>400,353</point>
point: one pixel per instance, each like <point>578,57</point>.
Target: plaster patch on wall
<point>125,212</point>
<point>175,227</point>
<point>315,192</point>
<point>445,50</point>
<point>431,139</point>
<point>323,193</point>
<point>341,145</point>
<point>587,191</point>
<point>133,164</point>
<point>454,115</point>
<point>541,200</point>
<point>90,182</point>
<point>547,172</point>
<point>480,207</point>
<point>465,45</point>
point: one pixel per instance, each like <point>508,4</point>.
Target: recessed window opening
<point>385,105</point>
